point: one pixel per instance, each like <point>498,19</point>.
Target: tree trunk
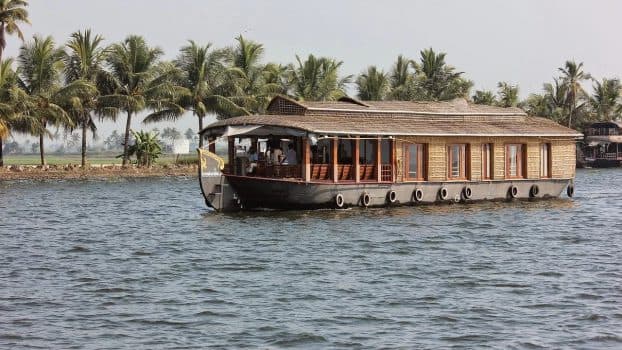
<point>200,128</point>
<point>41,149</point>
<point>1,155</point>
<point>84,146</point>
<point>126,139</point>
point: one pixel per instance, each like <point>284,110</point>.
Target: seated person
<point>275,155</point>
<point>252,160</point>
<point>290,156</point>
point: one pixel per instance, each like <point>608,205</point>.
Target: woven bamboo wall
<point>562,156</point>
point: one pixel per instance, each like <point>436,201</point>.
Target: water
<point>141,264</point>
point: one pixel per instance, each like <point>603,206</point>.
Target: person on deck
<point>252,160</point>
<point>290,156</point>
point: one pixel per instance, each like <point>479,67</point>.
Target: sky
<point>521,42</point>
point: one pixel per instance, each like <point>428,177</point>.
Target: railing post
<point>379,159</point>
<point>231,155</point>
<point>356,156</point>
<point>306,159</point>
<point>334,149</point>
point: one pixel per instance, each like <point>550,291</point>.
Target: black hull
<point>253,193</point>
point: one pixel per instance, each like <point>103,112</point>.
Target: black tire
<point>467,192</point>
<point>570,190</point>
<point>443,193</point>
<point>513,191</point>
<point>534,191</point>
<point>365,199</point>
<point>391,196</point>
<point>339,201</point>
<point>417,195</point>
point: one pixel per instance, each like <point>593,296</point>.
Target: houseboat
<point>350,153</point>
<point>603,145</point>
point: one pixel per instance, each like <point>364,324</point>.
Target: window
<point>514,161</point>
<point>415,161</point>
<point>545,160</point>
<point>320,152</point>
<point>344,151</point>
<point>487,167</point>
<point>457,162</point>
<point>367,152</point>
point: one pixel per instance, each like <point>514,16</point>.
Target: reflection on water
<point>142,263</point>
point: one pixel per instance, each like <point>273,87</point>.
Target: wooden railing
<point>345,172</point>
<point>386,172</point>
<point>612,155</point>
<point>320,171</point>
<point>368,172</point>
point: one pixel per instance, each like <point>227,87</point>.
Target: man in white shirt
<point>290,156</point>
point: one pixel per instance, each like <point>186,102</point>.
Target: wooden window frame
<point>546,147</point>
<point>421,164</point>
<point>520,161</point>
<point>488,161</point>
<point>463,161</point>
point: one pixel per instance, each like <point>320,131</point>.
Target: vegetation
<point>78,84</point>
<point>146,148</point>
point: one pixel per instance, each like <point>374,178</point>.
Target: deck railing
<point>386,172</point>
<point>612,155</point>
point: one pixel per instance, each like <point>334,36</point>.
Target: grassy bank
<point>93,160</point>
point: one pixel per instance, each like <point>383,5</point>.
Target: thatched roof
<point>352,117</point>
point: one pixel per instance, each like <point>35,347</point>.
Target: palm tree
<point>606,99</point>
<point>373,85</point>
<point>84,62</point>
<point>41,63</point>
<point>248,80</point>
<point>317,79</point>
<point>12,13</point>
<point>572,75</point>
<point>402,79</point>
<point>438,81</point>
<point>484,97</point>
<point>508,94</point>
<point>202,90</point>
<point>7,110</point>
<point>133,80</point>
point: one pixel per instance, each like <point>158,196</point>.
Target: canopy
<point>260,130</point>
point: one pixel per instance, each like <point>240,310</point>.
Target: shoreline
<point>75,172</point>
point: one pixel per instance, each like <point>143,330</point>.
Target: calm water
<point>141,264</point>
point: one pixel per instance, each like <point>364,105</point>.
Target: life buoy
<point>513,191</point>
<point>570,190</point>
<point>417,195</point>
<point>534,191</point>
<point>467,192</point>
<point>339,202</point>
<point>391,196</point>
<point>443,193</point>
<point>365,199</point>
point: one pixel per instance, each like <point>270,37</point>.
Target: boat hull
<point>252,193</point>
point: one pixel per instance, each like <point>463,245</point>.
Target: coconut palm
<point>572,76</point>
<point>7,83</point>
<point>40,66</point>
<point>402,79</point>
<point>201,88</point>
<point>508,94</point>
<point>605,101</point>
<point>373,85</point>
<point>435,80</point>
<point>84,62</point>
<point>484,97</point>
<point>251,84</point>
<point>317,79</point>
<point>133,80</point>
<point>12,14</point>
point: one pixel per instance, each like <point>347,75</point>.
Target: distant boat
<point>603,145</point>
<point>360,153</point>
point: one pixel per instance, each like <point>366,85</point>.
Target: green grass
<point>94,159</point>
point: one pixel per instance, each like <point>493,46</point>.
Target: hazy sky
<point>522,42</point>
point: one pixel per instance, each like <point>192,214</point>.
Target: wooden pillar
<point>334,149</point>
<point>211,144</point>
<point>393,157</point>
<point>231,154</point>
<point>379,160</point>
<point>355,164</point>
<point>306,159</point>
